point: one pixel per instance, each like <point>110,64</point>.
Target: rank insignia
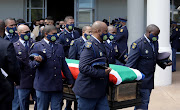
<point>44,50</point>
<point>19,53</point>
<point>67,40</point>
<point>100,53</point>
<point>121,30</point>
<point>72,42</point>
<point>176,29</point>
<point>146,51</point>
<point>88,44</point>
<point>134,45</point>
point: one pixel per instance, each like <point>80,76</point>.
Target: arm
<point>86,68</point>
<point>120,35</point>
<point>12,66</point>
<point>133,56</point>
<point>73,50</point>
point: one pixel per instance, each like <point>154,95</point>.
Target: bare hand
<point>108,70</point>
<point>38,58</point>
<point>169,64</point>
<point>70,86</point>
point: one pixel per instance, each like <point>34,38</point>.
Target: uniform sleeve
<point>12,67</point>
<point>85,68</point>
<point>120,35</point>
<point>34,64</point>
<point>73,50</point>
<point>174,34</point>
<point>66,71</point>
<point>133,57</point>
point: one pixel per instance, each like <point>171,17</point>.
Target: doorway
<point>60,9</point>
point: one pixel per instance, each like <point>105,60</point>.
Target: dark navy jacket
<point>65,39</point>
<point>121,39</point>
<point>91,82</point>
<point>14,38</point>
<point>76,48</point>
<point>174,38</point>
<point>48,73</point>
<point>143,58</point>
<point>112,52</point>
<point>27,74</point>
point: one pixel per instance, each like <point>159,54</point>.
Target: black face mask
<point>41,25</point>
<point>62,26</point>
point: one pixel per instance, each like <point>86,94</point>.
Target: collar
<point>108,41</point>
<point>46,41</point>
<point>96,39</point>
<point>6,33</point>
<point>147,38</point>
<point>84,39</point>
<point>68,31</point>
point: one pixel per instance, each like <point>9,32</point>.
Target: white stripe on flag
<point>115,73</point>
<point>138,74</point>
<point>73,65</point>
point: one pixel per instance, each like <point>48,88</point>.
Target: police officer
<point>22,47</point>
<point>122,36</point>
<point>9,64</point>
<point>11,35</point>
<point>77,44</point>
<point>111,46</point>
<point>48,79</point>
<point>143,56</point>
<point>62,25</point>
<point>68,34</point>
<point>174,38</point>
<point>91,84</point>
<point>11,29</point>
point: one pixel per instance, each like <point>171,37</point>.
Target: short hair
<point>7,19</point>
<point>49,18</point>
<point>20,21</point>
<point>85,28</point>
<point>151,27</point>
<point>67,18</point>
<point>48,28</point>
<point>111,27</point>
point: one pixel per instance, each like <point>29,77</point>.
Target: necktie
<point>26,45</point>
<point>152,45</point>
<point>51,45</point>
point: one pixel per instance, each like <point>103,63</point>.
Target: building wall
<point>11,8</point>
<point>112,8</point>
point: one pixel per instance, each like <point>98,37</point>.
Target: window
<point>175,10</point>
<point>35,9</point>
<point>84,12</point>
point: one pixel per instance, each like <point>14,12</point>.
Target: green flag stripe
<point>125,73</point>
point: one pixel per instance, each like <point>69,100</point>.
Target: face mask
<point>52,38</point>
<point>87,36</point>
<point>11,30</point>
<point>153,38</point>
<point>25,36</point>
<point>111,36</point>
<point>70,27</point>
<point>104,37</point>
<point>62,26</point>
<point>41,25</point>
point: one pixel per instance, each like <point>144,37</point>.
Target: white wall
<point>112,8</point>
<point>11,8</point>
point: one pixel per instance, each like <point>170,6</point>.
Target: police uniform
<point>121,39</point>
<point>48,78</point>
<point>65,39</point>
<point>27,74</point>
<point>92,83</point>
<point>112,51</point>
<point>175,41</point>
<point>143,56</point>
<point>76,48</point>
<point>11,37</point>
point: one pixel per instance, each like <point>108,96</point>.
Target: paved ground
<point>165,97</point>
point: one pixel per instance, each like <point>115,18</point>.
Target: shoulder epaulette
<point>88,44</point>
<point>72,43</point>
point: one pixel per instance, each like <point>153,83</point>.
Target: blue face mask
<point>104,37</point>
<point>87,36</point>
<point>53,37</point>
<point>70,27</point>
<point>25,36</point>
<point>153,38</point>
<point>111,36</point>
<point>11,30</point>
